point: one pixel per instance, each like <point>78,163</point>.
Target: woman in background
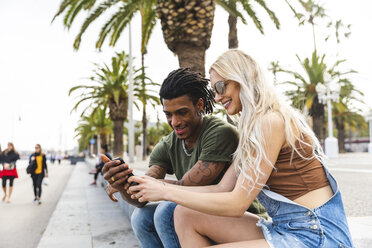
<point>9,172</point>
<point>39,160</point>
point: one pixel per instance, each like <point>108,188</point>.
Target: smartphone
<point>131,174</point>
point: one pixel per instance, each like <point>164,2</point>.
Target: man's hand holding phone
<point>116,173</point>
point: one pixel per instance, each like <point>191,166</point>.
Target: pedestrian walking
<point>9,172</point>
<point>38,162</point>
<point>59,158</point>
<point>52,158</point>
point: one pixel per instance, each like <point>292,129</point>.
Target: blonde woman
<point>278,160</point>
<point>9,158</point>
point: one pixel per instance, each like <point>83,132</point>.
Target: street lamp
<point>369,119</point>
<point>326,93</point>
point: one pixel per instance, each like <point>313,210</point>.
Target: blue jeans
<point>293,225</point>
<point>154,225</point>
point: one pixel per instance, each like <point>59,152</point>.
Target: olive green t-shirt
<point>217,142</point>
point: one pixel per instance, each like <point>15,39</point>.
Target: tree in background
<point>145,95</point>
<point>102,124</point>
<point>304,95</point>
<point>346,115</point>
<point>96,123</point>
<point>231,6</point>
<point>186,25</point>
<point>113,29</point>
<point>109,90</point>
<point>84,132</point>
<point>155,133</point>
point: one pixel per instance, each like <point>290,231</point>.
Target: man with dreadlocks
<point>198,152</point>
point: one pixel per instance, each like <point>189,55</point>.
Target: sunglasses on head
<point>219,87</point>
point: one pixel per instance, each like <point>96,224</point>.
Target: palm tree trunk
<point>103,139</point>
<point>233,31</point>
<point>191,56</point>
<point>317,114</point>
<point>341,134</point>
<point>109,144</point>
<point>118,138</point>
<point>95,144</point>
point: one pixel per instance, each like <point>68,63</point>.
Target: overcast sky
<point>38,64</point>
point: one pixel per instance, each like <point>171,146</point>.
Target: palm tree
<point>114,26</point>
<point>145,95</point>
<point>187,29</point>
<point>84,132</point>
<point>109,91</point>
<point>345,114</point>
<point>96,123</point>
<point>186,25</point>
<point>157,132</point>
<point>102,124</point>
<point>231,7</point>
<point>189,40</point>
<point>304,96</point>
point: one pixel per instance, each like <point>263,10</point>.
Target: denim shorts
<point>295,226</point>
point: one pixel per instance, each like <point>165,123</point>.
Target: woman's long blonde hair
<point>7,150</point>
<point>258,98</point>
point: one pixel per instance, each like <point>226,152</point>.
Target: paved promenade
<point>22,222</point>
<point>85,217</point>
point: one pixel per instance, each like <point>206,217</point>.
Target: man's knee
<point>163,216</point>
<point>142,218</point>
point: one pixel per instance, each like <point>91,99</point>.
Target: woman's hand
<point>149,189</point>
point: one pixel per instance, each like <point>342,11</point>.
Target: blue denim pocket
<point>306,231</point>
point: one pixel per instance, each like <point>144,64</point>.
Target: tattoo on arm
<point>203,173</point>
<point>156,171</point>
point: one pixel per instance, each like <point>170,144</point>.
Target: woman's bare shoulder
<point>274,120</point>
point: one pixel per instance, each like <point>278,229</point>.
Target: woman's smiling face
<point>230,97</point>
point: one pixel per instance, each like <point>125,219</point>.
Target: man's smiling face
<point>182,115</point>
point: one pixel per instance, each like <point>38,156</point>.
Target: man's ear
<point>200,105</point>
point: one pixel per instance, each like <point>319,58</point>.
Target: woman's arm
<point>232,203</point>
<point>226,183</point>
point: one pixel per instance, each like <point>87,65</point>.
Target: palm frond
<point>248,8</point>
<point>270,13</point>
<point>92,17</point>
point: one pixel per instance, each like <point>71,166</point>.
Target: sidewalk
<point>85,217</point>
